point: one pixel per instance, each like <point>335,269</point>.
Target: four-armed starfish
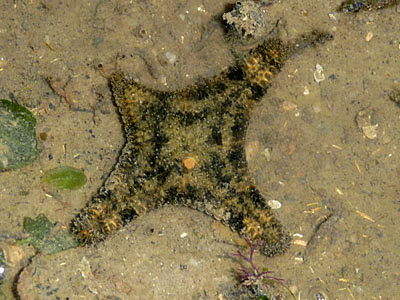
<point>186,148</point>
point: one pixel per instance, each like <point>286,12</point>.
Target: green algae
<point>65,178</point>
<point>38,228</point>
<point>18,143</point>
<point>44,238</point>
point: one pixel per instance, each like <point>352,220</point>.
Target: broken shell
<point>370,131</point>
<point>13,254</point>
<point>289,106</point>
<point>267,154</point>
<point>367,121</point>
<point>274,204</point>
<point>369,36</point>
<point>319,73</point>
<point>251,150</point>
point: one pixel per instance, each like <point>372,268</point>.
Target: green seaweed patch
<point>18,143</point>
<point>38,228</point>
<point>65,178</point>
<point>44,238</point>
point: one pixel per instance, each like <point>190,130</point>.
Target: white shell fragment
<point>171,57</point>
<point>13,255</point>
<point>274,204</point>
<point>319,73</point>
<point>369,36</point>
<point>267,154</point>
<point>300,243</point>
<point>367,121</point>
<point>370,131</point>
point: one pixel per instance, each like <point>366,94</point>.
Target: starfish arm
<point>131,188</point>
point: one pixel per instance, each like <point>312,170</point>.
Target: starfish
<point>186,148</point>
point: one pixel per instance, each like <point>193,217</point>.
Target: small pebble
<point>332,77</point>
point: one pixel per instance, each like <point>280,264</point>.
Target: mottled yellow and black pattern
<point>186,148</point>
